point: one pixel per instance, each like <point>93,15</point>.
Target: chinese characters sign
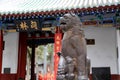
<point>57,48</point>
<point>28,25</point>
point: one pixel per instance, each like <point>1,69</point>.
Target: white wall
<point>10,52</point>
<point>103,53</point>
<point>118,44</point>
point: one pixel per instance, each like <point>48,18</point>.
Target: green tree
<point>50,52</point>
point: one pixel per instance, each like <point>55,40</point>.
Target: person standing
<point>40,76</point>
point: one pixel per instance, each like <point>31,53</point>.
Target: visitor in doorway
<point>40,76</point>
<point>50,74</point>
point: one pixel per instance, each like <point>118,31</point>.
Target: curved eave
<point>23,6</point>
<point>58,12</point>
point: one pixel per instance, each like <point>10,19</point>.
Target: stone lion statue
<point>73,48</point>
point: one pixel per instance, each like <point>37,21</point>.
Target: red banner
<point>57,48</point>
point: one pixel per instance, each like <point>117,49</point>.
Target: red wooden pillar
<point>1,51</point>
<point>33,61</point>
<point>22,53</point>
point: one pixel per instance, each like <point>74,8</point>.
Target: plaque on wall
<point>90,41</point>
<point>7,70</point>
<point>28,25</point>
<point>101,73</point>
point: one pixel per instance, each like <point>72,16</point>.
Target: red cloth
<point>49,76</point>
<point>40,77</point>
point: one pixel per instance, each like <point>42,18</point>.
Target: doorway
<point>39,57</point>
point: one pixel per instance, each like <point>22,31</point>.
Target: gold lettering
<point>58,42</point>
<point>23,25</point>
<point>58,37</point>
<point>34,24</point>
<point>57,48</point>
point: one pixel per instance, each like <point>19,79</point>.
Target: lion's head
<point>69,21</point>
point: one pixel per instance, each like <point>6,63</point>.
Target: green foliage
<point>50,52</point>
<point>29,51</point>
<point>39,52</point>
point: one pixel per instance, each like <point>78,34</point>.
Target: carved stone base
<point>70,76</point>
<point>82,78</point>
<point>60,77</point>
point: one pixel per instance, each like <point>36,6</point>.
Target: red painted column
<point>1,51</point>
<point>22,53</point>
<point>33,61</point>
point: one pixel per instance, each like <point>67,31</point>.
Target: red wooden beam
<point>1,51</point>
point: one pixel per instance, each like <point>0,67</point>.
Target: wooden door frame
<point>22,53</point>
<point>1,51</point>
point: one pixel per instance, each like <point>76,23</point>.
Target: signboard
<point>27,25</point>
<point>90,23</point>
<point>57,48</point>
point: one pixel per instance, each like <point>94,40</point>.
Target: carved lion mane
<point>69,21</point>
